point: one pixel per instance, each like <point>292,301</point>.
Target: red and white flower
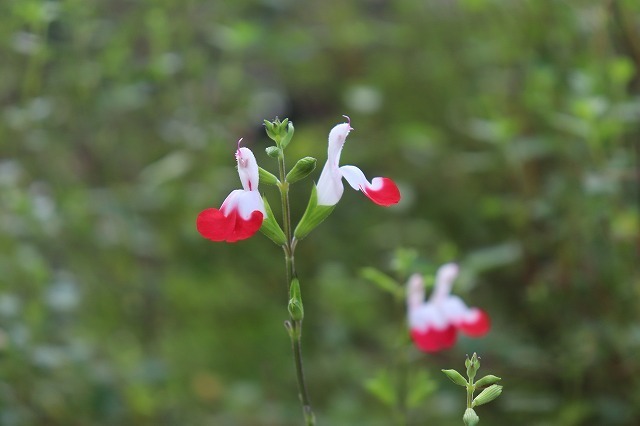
<point>434,324</point>
<point>380,190</point>
<point>242,212</point>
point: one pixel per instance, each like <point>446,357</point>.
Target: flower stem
<point>294,327</point>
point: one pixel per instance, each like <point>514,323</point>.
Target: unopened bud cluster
<point>490,392</point>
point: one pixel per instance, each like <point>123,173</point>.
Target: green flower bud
<point>267,177</point>
<point>455,377</point>
<point>312,217</point>
<point>273,151</point>
<point>301,170</point>
<point>487,395</point>
<point>270,226</point>
<point>296,309</point>
<point>472,366</point>
<point>280,132</point>
<point>487,380</point>
<point>470,417</point>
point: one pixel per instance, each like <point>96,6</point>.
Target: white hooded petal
<point>337,137</point>
<point>329,187</point>
<point>247,169</point>
<point>415,291</point>
<point>445,276</point>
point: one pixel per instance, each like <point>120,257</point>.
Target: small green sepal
<point>487,380</point>
<point>270,226</point>
<point>313,216</point>
<point>301,170</point>
<point>455,377</point>
<point>286,138</point>
<point>487,395</point>
<point>295,307</point>
<point>269,127</point>
<point>267,177</point>
<point>470,417</point>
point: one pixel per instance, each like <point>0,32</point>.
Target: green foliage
<point>511,128</point>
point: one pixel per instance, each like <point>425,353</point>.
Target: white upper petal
<point>337,137</point>
<point>247,169</point>
<point>415,291</point>
<point>445,276</point>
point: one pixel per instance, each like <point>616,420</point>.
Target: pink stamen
<point>348,121</point>
<point>241,161</point>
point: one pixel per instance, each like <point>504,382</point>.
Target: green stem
<point>294,328</point>
<point>401,387</point>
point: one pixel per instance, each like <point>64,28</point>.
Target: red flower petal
<point>215,226</point>
<point>479,327</point>
<point>433,340</point>
<point>387,193</point>
<point>243,229</point>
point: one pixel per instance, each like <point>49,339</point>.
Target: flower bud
<point>470,417</point>
<point>487,380</point>
<point>273,151</point>
<point>295,307</point>
<point>301,170</point>
<point>280,132</point>
<point>472,366</point>
<point>487,395</point>
<point>312,217</point>
<point>455,377</point>
<point>267,177</point>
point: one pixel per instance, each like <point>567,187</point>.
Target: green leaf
<point>383,281</point>
<point>421,385</point>
<point>381,386</point>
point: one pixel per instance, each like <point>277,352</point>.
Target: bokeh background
<point>512,128</point>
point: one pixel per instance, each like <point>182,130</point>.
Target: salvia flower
<point>380,190</point>
<point>434,323</point>
<point>242,212</point>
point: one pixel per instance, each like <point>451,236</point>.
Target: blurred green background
<point>512,128</point>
